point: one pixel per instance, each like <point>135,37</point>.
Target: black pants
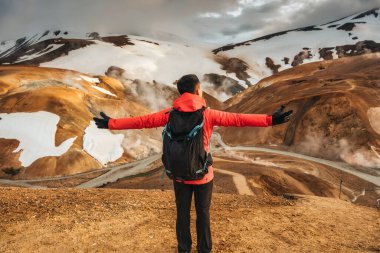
<point>202,196</point>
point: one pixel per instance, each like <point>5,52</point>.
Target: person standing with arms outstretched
<point>186,151</point>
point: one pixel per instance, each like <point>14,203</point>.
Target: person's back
<point>191,100</point>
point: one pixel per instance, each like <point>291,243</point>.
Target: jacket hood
<point>189,102</point>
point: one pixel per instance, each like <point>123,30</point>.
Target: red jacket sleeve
<point>221,118</point>
<point>157,119</point>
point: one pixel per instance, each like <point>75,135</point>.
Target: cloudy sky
<point>211,21</point>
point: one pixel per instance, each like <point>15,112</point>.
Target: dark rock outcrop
<point>270,64</point>
<point>359,48</point>
<point>24,48</point>
<point>235,65</point>
<point>349,26</point>
<point>298,59</point>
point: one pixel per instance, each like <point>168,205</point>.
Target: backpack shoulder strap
<point>195,130</point>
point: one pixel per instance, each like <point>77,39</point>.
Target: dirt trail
<point>112,174</point>
<point>338,165</point>
<point>105,220</point>
<point>121,172</point>
<point>239,180</point>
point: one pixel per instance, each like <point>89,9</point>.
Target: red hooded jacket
<point>188,102</point>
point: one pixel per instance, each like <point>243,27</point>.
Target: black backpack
<point>184,156</point>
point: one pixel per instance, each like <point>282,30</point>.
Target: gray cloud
<point>229,21</point>
<point>5,8</point>
<point>324,11</point>
<point>238,29</point>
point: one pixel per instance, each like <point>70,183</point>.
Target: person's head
<point>189,83</point>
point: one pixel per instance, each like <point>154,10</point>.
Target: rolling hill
<point>335,105</point>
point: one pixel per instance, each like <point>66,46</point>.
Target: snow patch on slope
<point>103,90</point>
<point>90,79</point>
<point>101,144</point>
<point>36,133</point>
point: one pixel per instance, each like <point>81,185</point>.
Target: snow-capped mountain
<point>225,71</point>
<point>141,58</point>
<point>353,35</point>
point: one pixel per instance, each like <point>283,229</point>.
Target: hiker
<point>186,152</point>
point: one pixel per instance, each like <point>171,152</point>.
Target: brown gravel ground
<point>115,220</point>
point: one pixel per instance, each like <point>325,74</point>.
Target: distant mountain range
<point>225,71</point>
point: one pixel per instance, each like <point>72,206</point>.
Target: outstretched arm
<point>221,118</point>
<point>157,119</point>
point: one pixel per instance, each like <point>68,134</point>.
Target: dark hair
<point>187,83</point>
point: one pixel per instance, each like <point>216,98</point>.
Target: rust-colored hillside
<point>336,108</point>
<point>64,93</point>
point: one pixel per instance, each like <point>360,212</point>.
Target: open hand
<point>103,121</point>
<point>279,116</point>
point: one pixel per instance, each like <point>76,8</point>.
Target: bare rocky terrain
<point>105,220</point>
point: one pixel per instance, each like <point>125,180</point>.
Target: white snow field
<point>102,145</point>
<point>164,63</point>
<point>36,133</point>
<point>293,42</point>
